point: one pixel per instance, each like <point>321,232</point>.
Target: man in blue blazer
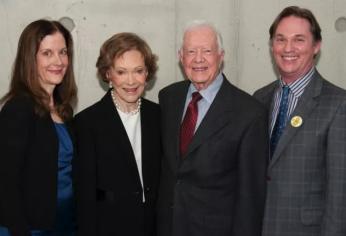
<point>307,170</point>
<point>214,183</point>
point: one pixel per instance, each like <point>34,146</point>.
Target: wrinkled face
<point>128,76</point>
<point>52,61</point>
<point>200,56</point>
<point>293,48</point>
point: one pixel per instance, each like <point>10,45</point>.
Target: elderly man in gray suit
<point>213,173</point>
<point>306,192</point>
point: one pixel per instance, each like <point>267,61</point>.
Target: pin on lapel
<point>296,121</point>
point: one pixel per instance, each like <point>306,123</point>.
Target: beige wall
<point>243,23</point>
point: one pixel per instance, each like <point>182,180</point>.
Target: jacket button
<point>268,178</point>
<point>147,189</point>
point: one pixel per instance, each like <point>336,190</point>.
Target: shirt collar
<point>210,92</point>
<point>298,86</point>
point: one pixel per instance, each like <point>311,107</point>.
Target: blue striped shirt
<point>296,90</point>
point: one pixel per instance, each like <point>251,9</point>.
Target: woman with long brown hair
<point>35,142</point>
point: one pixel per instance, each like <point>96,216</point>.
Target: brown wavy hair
<point>117,45</point>
<point>24,78</point>
<point>299,12</point>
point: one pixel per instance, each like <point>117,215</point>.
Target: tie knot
<point>285,89</point>
<point>196,96</point>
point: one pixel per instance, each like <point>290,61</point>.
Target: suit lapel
<point>146,128</point>
<point>122,146</point>
<point>217,116</point>
<point>266,97</point>
<point>305,106</point>
<point>270,103</point>
<point>149,126</point>
<point>177,109</point>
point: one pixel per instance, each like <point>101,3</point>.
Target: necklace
<point>135,111</point>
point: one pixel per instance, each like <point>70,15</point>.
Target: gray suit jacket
<point>306,192</point>
<point>218,188</point>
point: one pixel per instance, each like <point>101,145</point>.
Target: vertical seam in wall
<point>7,27</point>
<point>236,41</point>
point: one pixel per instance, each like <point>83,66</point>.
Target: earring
<point>110,84</point>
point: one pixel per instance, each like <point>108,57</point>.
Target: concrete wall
<point>243,23</point>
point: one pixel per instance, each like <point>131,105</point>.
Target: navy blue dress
<point>65,220</point>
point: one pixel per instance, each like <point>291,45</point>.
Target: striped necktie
<point>188,125</point>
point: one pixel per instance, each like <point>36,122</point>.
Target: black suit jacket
<point>218,188</point>
<point>108,187</point>
<point>28,168</point>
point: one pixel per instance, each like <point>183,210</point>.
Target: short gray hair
<point>198,24</point>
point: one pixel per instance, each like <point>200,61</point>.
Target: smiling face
<point>293,48</point>
<point>200,56</point>
<point>128,75</point>
<point>52,61</point>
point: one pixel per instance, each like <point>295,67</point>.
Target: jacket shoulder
<point>265,94</point>
<point>150,106</point>
<point>329,88</point>
<point>264,91</point>
<point>90,112</point>
<point>244,100</point>
<point>172,88</point>
<point>149,103</point>
<point>20,106</point>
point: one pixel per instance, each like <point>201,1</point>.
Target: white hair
<point>202,23</point>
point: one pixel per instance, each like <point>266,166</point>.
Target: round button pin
<point>296,121</point>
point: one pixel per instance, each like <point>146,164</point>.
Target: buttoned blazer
<point>218,187</point>
<point>28,167</point>
<point>108,187</point>
<point>307,173</point>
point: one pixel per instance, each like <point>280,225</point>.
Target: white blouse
<point>132,124</point>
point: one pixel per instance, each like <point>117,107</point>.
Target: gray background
<point>244,25</point>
